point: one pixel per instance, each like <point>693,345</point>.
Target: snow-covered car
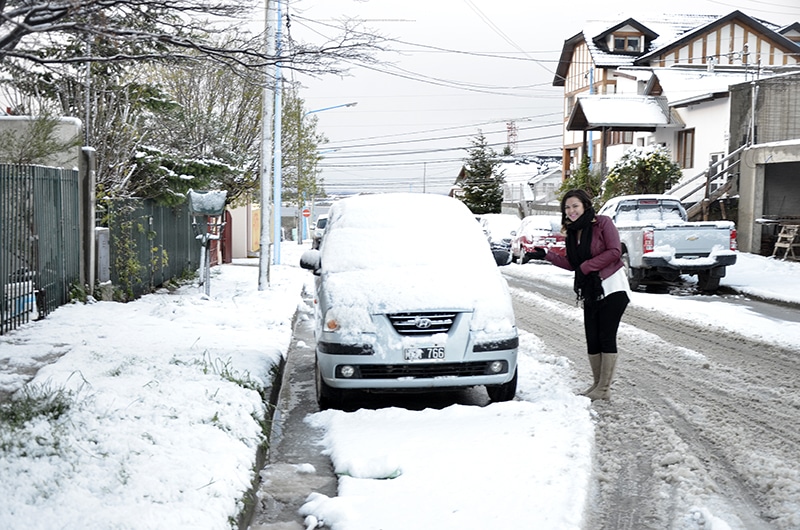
<point>537,231</point>
<point>499,229</point>
<point>393,313</point>
<point>319,230</point>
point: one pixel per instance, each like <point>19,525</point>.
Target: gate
<point>39,241</point>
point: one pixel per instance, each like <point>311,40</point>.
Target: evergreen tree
<point>641,170</point>
<point>482,183</point>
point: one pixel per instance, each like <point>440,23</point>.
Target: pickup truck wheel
<point>626,264</point>
<point>706,282</point>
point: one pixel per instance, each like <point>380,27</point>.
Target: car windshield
<point>546,223</point>
<point>321,222</point>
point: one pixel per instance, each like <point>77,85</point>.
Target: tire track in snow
<point>701,424</point>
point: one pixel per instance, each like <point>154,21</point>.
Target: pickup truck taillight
<point>734,244</point>
<point>648,241</point>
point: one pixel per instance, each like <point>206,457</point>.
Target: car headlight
<point>347,320</point>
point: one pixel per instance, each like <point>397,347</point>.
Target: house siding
<point>727,45</point>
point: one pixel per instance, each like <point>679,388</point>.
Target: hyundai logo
<point>422,323</point>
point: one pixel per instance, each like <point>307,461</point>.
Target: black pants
<point>601,322</point>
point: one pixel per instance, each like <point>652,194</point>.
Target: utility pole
<point>266,152</point>
<point>277,173</point>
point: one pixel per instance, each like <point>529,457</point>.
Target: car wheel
<point>504,392</point>
<point>524,258</point>
<point>626,264</point>
<point>327,396</point>
<point>501,257</point>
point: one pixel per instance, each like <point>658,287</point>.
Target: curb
<point>294,465</point>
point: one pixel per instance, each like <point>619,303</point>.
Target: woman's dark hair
<point>581,195</point>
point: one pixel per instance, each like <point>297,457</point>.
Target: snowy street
<point>163,423</point>
<point>700,416</point>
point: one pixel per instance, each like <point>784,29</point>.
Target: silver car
<point>408,297</point>
<point>319,230</point>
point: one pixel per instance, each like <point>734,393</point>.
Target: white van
<point>408,296</point>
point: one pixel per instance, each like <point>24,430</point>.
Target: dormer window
<point>627,43</point>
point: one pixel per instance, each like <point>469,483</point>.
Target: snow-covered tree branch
<point>80,31</point>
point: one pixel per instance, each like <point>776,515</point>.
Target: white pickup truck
<point>659,244</point>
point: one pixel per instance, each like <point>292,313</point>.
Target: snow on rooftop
<point>620,110</point>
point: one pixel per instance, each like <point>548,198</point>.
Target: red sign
<point>306,212</point>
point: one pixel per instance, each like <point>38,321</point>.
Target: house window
<point>627,43</point>
<point>686,148</point>
<point>620,137</point>
<point>716,175</point>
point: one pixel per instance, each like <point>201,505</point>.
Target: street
<point>699,415</point>
<point>695,409</point>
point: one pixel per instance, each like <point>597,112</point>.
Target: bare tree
<point>86,58</point>
<point>300,148</point>
<point>76,31</point>
<point>210,118</point>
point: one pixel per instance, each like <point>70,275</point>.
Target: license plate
<point>424,354</point>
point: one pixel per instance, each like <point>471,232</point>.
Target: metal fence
<point>39,241</point>
<point>150,244</point>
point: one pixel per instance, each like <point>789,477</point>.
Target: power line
<point>438,150</point>
<point>455,127</point>
<point>433,139</point>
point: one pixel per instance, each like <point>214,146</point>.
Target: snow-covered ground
<point>163,420</point>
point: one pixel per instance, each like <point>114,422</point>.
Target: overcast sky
<point>459,66</point>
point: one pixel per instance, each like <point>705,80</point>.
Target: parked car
<point>392,313</point>
<point>537,231</point>
<point>499,229</point>
<point>659,243</point>
<point>319,230</point>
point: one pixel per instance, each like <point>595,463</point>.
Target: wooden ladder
<point>786,241</point>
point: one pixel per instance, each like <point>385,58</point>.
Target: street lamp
<point>277,191</point>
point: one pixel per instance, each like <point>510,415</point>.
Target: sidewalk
<point>295,466</point>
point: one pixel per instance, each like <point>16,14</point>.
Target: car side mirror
<point>311,260</point>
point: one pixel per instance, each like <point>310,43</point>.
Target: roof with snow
<point>658,32</point>
<point>620,113</point>
<point>686,85</point>
<point>660,35</point>
<point>757,25</point>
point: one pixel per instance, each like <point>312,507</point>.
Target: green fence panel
<point>39,241</point>
<point>150,244</point>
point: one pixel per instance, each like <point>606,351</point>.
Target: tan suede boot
<point>594,362</point>
<point>607,366</point>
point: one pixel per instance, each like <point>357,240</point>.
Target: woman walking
<point>593,252</point>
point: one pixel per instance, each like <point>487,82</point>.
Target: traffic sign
<point>306,212</point>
